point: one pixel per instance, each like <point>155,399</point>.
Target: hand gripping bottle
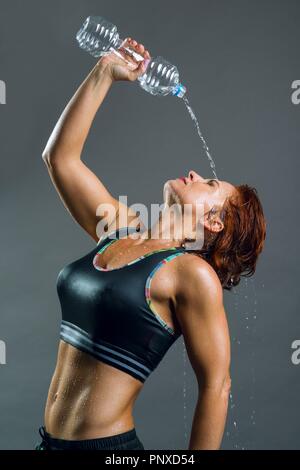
<point>99,37</point>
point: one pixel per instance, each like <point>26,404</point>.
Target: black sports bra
<point>108,313</point>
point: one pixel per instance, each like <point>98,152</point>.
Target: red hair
<point>235,250</point>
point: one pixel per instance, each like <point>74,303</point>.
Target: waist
<point>88,398</point>
<point>125,440</point>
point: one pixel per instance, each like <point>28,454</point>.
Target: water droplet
<point>184,392</point>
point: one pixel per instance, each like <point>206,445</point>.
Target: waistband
<point>88,444</point>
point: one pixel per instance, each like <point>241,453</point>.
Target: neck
<point>167,230</point>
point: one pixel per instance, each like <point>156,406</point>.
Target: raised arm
<point>79,188</point>
<point>200,312</point>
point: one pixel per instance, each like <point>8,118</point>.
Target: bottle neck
<point>179,90</point>
<point>117,43</point>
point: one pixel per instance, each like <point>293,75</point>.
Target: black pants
<point>124,441</point>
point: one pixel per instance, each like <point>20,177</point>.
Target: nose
<point>193,176</point>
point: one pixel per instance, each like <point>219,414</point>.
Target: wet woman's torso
<point>89,398</point>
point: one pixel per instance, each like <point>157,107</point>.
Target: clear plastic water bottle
<point>99,37</point>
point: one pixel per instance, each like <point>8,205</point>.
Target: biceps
<point>82,193</point>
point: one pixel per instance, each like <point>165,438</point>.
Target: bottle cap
<point>179,90</point>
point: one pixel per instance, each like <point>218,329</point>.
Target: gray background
<point>238,59</point>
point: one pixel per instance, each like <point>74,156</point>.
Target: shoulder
<point>196,276</point>
<point>199,303</point>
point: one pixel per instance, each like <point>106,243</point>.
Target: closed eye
<point>212,182</point>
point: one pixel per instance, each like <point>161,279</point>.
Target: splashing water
<point>251,329</point>
<point>232,406</point>
<point>206,149</point>
<point>184,392</point>
<point>249,317</point>
<point>252,417</point>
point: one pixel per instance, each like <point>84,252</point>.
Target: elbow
<point>219,386</point>
<point>50,159</point>
<point>47,154</point>
<point>56,158</point>
<point>46,158</point>
<point>226,387</point>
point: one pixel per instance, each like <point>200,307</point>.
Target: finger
<point>126,42</point>
<point>125,51</point>
<point>133,74</point>
<point>140,70</point>
<point>140,48</point>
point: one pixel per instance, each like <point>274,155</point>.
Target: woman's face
<point>194,189</point>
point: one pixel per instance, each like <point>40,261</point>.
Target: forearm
<point>71,130</point>
<point>209,420</point>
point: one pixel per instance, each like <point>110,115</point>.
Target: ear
<point>213,223</point>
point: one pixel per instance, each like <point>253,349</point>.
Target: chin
<point>170,192</point>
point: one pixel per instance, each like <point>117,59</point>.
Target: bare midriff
<point>88,399</point>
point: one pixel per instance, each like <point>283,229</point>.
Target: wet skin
<point>88,398</point>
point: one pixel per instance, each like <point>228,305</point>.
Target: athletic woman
<point>127,301</point>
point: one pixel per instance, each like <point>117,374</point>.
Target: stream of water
<point>249,313</point>
<point>204,144</point>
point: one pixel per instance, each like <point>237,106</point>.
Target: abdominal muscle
<point>87,398</point>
